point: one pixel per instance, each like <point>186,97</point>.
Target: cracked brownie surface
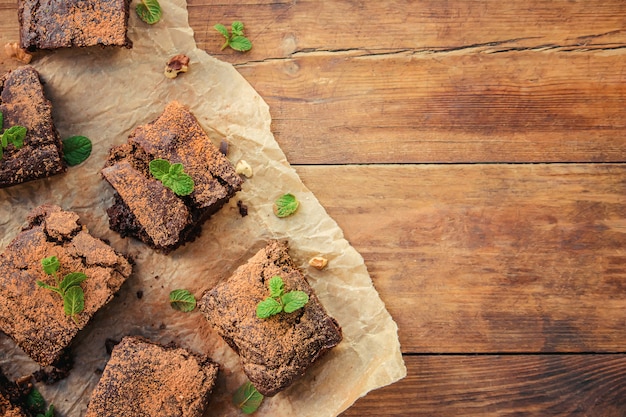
<point>34,317</point>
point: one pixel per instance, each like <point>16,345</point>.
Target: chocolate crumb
<point>162,326</point>
<point>140,294</point>
<point>54,373</point>
<point>224,147</point>
<point>243,209</point>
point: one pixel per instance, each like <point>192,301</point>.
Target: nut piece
<point>13,50</point>
<point>176,65</point>
<point>318,262</point>
<point>243,168</point>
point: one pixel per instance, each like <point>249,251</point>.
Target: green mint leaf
<point>72,279</point>
<point>76,149</point>
<point>35,402</point>
<point>159,168</point>
<point>183,185</point>
<point>240,43</point>
<point>294,300</point>
<point>276,286</point>
<point>149,11</point>
<point>50,265</point>
<point>49,413</point>
<point>222,29</point>
<point>286,205</point>
<point>182,300</point>
<point>267,308</point>
<point>14,135</point>
<point>247,398</point>
<point>237,28</point>
<point>176,169</point>
<point>49,287</point>
<point>73,301</point>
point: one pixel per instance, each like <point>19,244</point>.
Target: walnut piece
<point>176,65</point>
<point>318,262</point>
<point>13,50</point>
<point>243,168</point>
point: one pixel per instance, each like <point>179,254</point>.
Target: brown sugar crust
<point>23,103</point>
<point>275,351</point>
<point>34,317</point>
<point>143,378</point>
<point>50,24</point>
<point>147,210</point>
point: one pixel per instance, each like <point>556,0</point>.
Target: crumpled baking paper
<point>104,94</point>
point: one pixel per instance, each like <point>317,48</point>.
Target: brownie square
<point>23,103</point>
<point>144,208</point>
<point>278,350</point>
<point>51,24</point>
<point>33,316</point>
<point>143,378</point>
<point>10,398</point>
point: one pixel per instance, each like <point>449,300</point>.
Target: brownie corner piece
<point>47,24</point>
<point>143,378</point>
<point>23,103</point>
<point>144,207</point>
<point>34,316</point>
<point>278,350</point>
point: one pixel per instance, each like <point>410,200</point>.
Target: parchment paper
<point>104,94</point>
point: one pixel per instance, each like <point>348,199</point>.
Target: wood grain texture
<point>550,385</point>
<point>489,258</point>
<point>432,81</point>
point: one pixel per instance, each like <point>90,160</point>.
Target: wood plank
<point>489,258</point>
<point>279,29</point>
<point>513,107</point>
<point>544,385</point>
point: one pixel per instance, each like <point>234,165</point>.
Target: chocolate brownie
<point>51,24</point>
<point>143,378</point>
<point>10,398</point>
<point>278,350</point>
<point>23,103</point>
<point>33,316</point>
<point>144,208</point>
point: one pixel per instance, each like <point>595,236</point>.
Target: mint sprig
<point>279,301</point>
<point>172,176</point>
<point>76,149</point>
<point>235,39</point>
<point>68,288</point>
<point>247,398</point>
<point>14,135</point>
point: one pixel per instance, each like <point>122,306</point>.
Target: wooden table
<point>473,153</point>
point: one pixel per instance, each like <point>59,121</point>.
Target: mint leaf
<point>182,300</point>
<point>237,28</point>
<point>183,185</point>
<point>176,169</point>
<point>247,398</point>
<point>286,205</point>
<point>49,287</point>
<point>149,11</point>
<point>240,43</point>
<point>72,279</point>
<point>73,301</point>
<point>50,265</point>
<point>159,168</point>
<point>276,286</point>
<point>76,149</point>
<point>14,135</point>
<point>267,308</point>
<point>34,401</point>
<point>294,300</point>
<point>49,413</point>
<point>222,29</point>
